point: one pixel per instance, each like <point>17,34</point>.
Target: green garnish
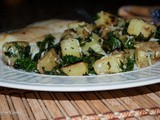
<point>112,42</point>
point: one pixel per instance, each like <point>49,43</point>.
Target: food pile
<point>110,45</point>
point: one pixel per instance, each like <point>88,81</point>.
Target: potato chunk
<point>147,53</point>
<point>77,69</point>
<point>104,18</point>
<point>109,64</point>
<point>94,44</point>
<point>82,29</point>
<point>70,47</point>
<point>137,27</point>
<point>48,61</point>
<point>69,33</point>
<point>11,52</point>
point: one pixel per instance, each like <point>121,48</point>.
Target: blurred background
<point>19,13</point>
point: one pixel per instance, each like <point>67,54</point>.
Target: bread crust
<point>36,31</point>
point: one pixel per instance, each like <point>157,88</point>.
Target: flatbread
<point>36,31</point>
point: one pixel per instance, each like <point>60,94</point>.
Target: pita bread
<point>36,31</point>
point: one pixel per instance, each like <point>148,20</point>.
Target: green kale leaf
<point>22,51</point>
<point>26,64</point>
<point>141,37</point>
<point>112,43</point>
<point>129,44</point>
<point>124,32</point>
<point>90,59</point>
<point>44,46</point>
<point>96,17</point>
<point>158,33</point>
<point>70,59</point>
<point>129,65</point>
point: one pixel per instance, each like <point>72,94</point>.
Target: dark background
<point>19,13</point>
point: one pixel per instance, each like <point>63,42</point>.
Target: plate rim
<point>75,88</point>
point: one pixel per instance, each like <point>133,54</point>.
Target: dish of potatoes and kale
<point>110,45</point>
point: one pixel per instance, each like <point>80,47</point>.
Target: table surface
<point>133,103</point>
<point>142,103</point>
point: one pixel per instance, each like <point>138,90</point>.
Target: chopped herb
<point>112,43</point>
<point>26,64</point>
<point>96,31</point>
<point>10,54</point>
<point>57,47</point>
<point>89,39</point>
<point>129,44</point>
<point>141,37</point>
<point>23,51</point>
<point>37,57</point>
<point>96,17</point>
<point>124,32</point>
<point>158,33</point>
<point>70,59</point>
<point>90,59</point>
<point>45,45</point>
<point>129,65</point>
<point>82,42</point>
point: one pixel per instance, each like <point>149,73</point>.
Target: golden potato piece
<point>137,27</point>
<point>105,18</point>
<point>109,64</point>
<point>147,53</point>
<point>11,53</point>
<point>48,61</point>
<point>70,47</point>
<point>77,69</point>
<point>69,33</point>
<point>94,44</point>
<point>82,29</point>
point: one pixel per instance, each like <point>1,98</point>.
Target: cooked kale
<point>82,41</point>
<point>124,32</point>
<point>10,54</point>
<point>88,39</point>
<point>23,51</point>
<point>109,39</point>
<point>97,31</point>
<point>57,47</point>
<point>44,46</point>
<point>129,65</point>
<point>37,57</point>
<point>70,59</point>
<point>112,43</point>
<point>25,64</point>
<point>90,59</point>
<point>129,44</point>
<point>96,17</point>
<point>47,43</point>
<point>158,33</point>
<point>141,37</point>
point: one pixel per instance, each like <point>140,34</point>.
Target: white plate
<point>13,78</point>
